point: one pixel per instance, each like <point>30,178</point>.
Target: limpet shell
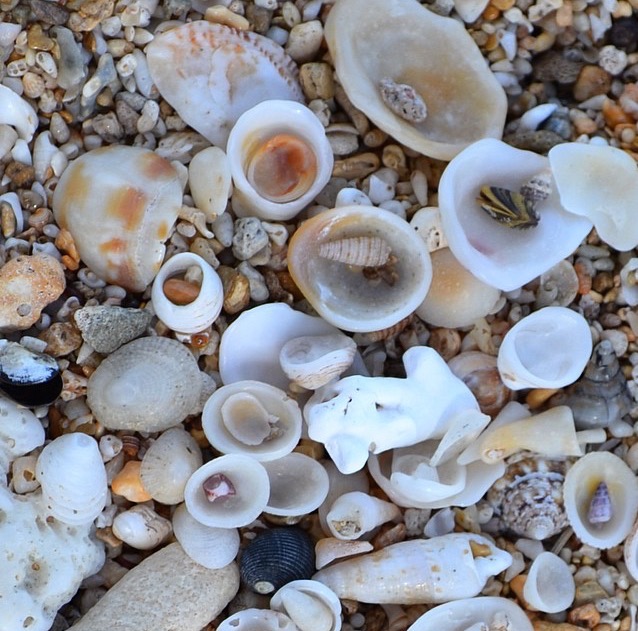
<point>310,605</point>
<point>550,585</point>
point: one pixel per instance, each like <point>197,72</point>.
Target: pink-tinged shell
<point>211,74</point>
<point>119,203</point>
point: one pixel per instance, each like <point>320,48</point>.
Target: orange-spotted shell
<point>119,203</point>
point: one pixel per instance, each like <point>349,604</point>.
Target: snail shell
<point>141,527</point>
<point>310,605</point>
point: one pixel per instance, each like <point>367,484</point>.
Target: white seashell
<point>148,385</point>
<point>201,312</point>
<point>23,478</point>
<point>549,348</point>
<point>168,463</point>
<point>257,620</point>
<point>8,137</point>
<point>309,604</point>
<point>331,548</point>
<point>238,486</point>
<point>210,181</point>
<point>20,432</point>
<point>141,527</point>
<point>483,613</point>
<point>349,196</point>
<point>558,286</point>
<point>534,116</point>
<point>354,514</point>
<point>15,111</point>
<point>298,485</point>
<point>311,361</point>
<point>222,73</point>
<point>279,158</point>
<point>470,10</point>
<point>629,282</point>
<point>43,152</point>
<point>581,483</point>
<point>252,418</point>
<point>211,547</point>
<point>14,201</point>
<point>549,586</point>
<point>427,223</point>
<point>73,478</point>
<point>418,571</point>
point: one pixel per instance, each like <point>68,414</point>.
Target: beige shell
<point>119,203</point>
<point>310,605</point>
<point>363,251</point>
<point>367,40</point>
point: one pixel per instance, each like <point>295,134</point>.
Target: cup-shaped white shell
<point>482,612</point>
<point>148,385</point>
<point>249,490</point>
<point>257,620</point>
<point>298,485</point>
<point>311,361</point>
<point>549,586</point>
<point>201,312</point>
<point>141,527</point>
<point>601,517</point>
<point>252,418</point>
<point>599,182</point>
<point>210,182</point>
<point>73,479</point>
<point>501,256</point>
<point>211,547</point>
<point>337,260</point>
<point>549,348</point>
<point>20,432</point>
<point>168,463</point>
<point>119,203</point>
<point>222,73</point>
<point>309,604</point>
<point>280,159</point>
<point>463,99</point>
<point>354,514</point>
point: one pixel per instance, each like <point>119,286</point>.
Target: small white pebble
<point>529,547</point>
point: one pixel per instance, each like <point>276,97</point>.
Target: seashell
<point>427,222</point>
<point>280,160</point>
<point>582,482</point>
<point>311,361</point>
<point>309,604</point>
<point>210,181</point>
<point>168,463</point>
<point>28,377</point>
<point>418,571</point>
<point>482,613</point>
<point>257,620</point>
<point>547,349</point>
<point>549,586</point>
<point>363,251</point>
<point>211,547</point>
<point>141,527</point>
<point>351,297</point>
<point>222,73</point>
<point>367,52</point>
<point>298,485</point>
<point>558,286</point>
<point>601,396</point>
<point>538,188</point>
<point>73,479</point>
<point>227,492</point>
<point>498,255</point>
<point>355,514</point>
<point>13,201</point>
<point>252,418</point>
<point>277,557</point>
<point>17,113</point>
<point>331,548</point>
<point>121,219</point>
<point>23,478</point>
<point>148,385</point>
<point>200,313</point>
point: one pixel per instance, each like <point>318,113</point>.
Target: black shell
<point>276,557</point>
<point>29,378</point>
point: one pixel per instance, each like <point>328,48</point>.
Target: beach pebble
<point>165,591</point>
<point>305,40</point>
<point>591,81</point>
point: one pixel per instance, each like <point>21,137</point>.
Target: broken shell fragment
<point>257,620</point>
<point>354,514</point>
<point>309,604</point>
<point>16,112</point>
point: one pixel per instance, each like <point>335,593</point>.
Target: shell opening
<point>282,169</point>
<point>247,420</point>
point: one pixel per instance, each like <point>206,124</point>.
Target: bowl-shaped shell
<point>73,479</point>
<point>168,463</point>
<point>601,515</point>
<point>276,557</point>
<point>257,620</point>
<point>280,159</point>
<point>311,605</point>
<point>367,40</point>
<point>222,73</point>
<point>360,267</point>
<point>147,385</point>
<point>119,203</point>
<point>252,418</point>
<point>550,585</point>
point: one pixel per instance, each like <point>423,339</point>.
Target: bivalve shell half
<point>148,385</point>
<point>309,604</point>
<point>601,516</point>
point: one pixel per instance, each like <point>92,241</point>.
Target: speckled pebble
<point>249,238</point>
<point>591,81</point>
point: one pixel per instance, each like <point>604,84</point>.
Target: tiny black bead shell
<point>276,557</point>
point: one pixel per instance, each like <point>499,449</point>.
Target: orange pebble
<point>614,114</point>
<point>536,398</point>
<point>128,483</point>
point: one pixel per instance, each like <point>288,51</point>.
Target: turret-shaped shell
<point>354,514</point>
<point>148,385</point>
<point>549,586</point>
<point>357,297</point>
<point>73,479</point>
<point>418,571</point>
<point>309,604</point>
<point>119,203</point>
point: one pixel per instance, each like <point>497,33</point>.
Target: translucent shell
<point>550,585</point>
<point>119,203</point>
<point>354,297</point>
<point>310,605</point>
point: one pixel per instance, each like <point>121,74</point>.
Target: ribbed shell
<point>364,251</point>
<point>277,557</point>
<point>147,385</point>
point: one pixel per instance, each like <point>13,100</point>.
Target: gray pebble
<point>249,238</point>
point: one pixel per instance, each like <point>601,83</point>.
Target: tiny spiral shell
<point>364,251</point>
